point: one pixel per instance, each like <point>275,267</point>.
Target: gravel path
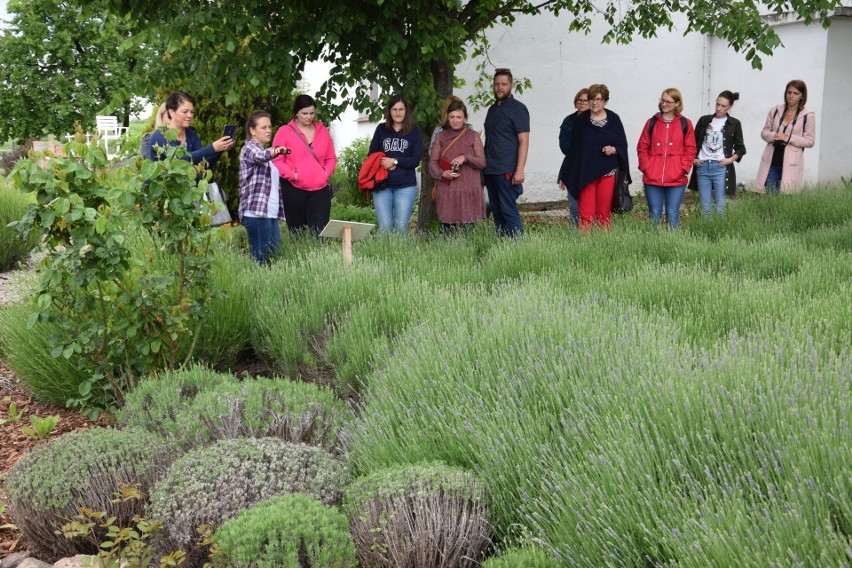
<point>15,284</point>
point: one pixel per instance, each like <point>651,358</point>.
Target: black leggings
<point>305,210</point>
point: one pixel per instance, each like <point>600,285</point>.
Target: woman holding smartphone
<point>261,207</point>
<point>306,169</point>
<point>180,109</point>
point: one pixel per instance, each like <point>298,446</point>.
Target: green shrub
<point>197,407</point>
<point>349,162</point>
<point>419,515</point>
<point>356,213</point>
<point>14,247</point>
<point>527,557</point>
<point>291,531</point>
<point>209,485</point>
<point>81,469</point>
<point>27,352</point>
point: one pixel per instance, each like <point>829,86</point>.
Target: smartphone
<point>229,130</point>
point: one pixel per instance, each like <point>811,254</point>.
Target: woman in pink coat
<point>306,169</point>
<point>789,129</point>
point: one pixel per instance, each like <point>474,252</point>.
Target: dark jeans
<point>305,210</point>
<point>503,197</point>
<point>264,237</point>
<point>773,180</point>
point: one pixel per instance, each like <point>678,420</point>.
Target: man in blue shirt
<point>507,140</point>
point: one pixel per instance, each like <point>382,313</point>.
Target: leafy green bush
<point>291,531</point>
<point>13,246</point>
<point>120,316</point>
<point>356,213</point>
<point>28,353</point>
<point>81,469</point>
<point>349,164</point>
<point>419,515</point>
<point>527,557</point>
<point>211,484</point>
<point>197,407</point>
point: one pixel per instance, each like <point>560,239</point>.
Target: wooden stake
<point>347,245</point>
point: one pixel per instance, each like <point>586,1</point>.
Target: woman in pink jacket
<point>306,169</point>
<point>789,129</point>
<point>666,151</point>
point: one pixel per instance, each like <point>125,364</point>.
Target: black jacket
<point>733,144</point>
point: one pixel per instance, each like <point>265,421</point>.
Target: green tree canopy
<point>59,66</point>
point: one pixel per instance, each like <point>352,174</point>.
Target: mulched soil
<point>15,443</point>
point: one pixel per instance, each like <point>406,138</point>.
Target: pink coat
<point>803,136</point>
<point>310,173</point>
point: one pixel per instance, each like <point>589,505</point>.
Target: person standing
<point>306,169</point>
<point>180,109</point>
<point>598,149</point>
<point>456,159</point>
<point>666,151</point>
<point>789,129</point>
<point>261,207</point>
<point>402,143</point>
<point>507,138</point>
<point>581,103</point>
<point>719,139</point>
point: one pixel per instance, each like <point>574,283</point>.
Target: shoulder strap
<point>453,142</point>
<point>653,121</point>
<point>308,146</point>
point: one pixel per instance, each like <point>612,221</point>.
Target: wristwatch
<point>395,162</point>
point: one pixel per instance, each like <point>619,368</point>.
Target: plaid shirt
<point>256,180</point>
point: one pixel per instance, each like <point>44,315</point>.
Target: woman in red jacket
<point>666,151</point>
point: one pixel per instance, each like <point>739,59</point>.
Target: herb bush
<point>348,166</point>
<point>614,437</point>
<point>14,247</point>
<point>27,352</point>
<point>291,531</point>
<point>419,515</point>
<point>211,484</point>
<point>197,407</point>
<point>84,468</point>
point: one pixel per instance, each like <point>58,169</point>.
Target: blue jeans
<point>393,208</point>
<point>503,197</point>
<point>264,237</point>
<point>773,180</point>
<point>573,210</point>
<point>711,183</point>
<point>670,196</point>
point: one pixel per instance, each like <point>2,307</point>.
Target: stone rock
<point>14,560</point>
<point>33,563</point>
<point>76,561</point>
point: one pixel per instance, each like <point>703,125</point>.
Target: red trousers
<point>596,201</point>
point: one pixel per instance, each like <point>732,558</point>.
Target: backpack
<point>653,121</point>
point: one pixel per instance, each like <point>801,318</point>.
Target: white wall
<point>834,123</point>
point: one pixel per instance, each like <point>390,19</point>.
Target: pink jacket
<point>300,167</point>
<point>802,136</point>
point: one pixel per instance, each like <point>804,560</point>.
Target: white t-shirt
<point>713,147</point>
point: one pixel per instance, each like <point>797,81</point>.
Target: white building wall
<point>835,126</point>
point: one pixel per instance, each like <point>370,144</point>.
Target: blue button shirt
<point>503,123</point>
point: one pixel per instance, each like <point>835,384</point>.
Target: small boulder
<point>14,560</point>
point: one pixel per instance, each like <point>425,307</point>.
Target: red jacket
<point>666,156</point>
<point>372,176</point>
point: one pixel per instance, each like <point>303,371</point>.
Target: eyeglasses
<point>581,102</point>
<point>666,102</point>
<point>596,100</point>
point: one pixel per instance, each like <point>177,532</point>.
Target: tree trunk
<point>443,74</point>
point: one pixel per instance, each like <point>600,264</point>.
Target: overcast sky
<point>3,14</point>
